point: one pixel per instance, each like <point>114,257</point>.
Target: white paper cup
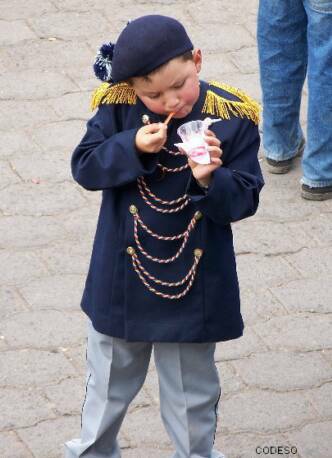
<point>192,135</point>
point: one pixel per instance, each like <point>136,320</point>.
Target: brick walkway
<point>276,380</point>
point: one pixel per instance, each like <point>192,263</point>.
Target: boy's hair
<point>188,55</point>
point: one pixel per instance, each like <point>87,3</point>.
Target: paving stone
<point>262,271</point>
<point>40,167</point>
<point>143,452</point>
<point>249,83</point>
<point>320,261</point>
<point>286,205</point>
<point>69,24</point>
<point>68,257</point>
<point>315,295</point>
<point>230,38</point>
<point>251,25</point>
<point>283,371</point>
<point>230,382</point>
<point>259,305</point>
<point>8,175</point>
<point>269,238</point>
<point>14,31</point>
<point>42,230</point>
<point>142,400</point>
<point>119,16</point>
<point>15,140</point>
<point>12,447</point>
<point>76,105</point>
<point>33,84</point>
<point>313,440</point>
<point>10,302</point>
<point>14,273</point>
<point>60,135</point>
<point>251,445</point>
<point>77,355</point>
<point>34,114</point>
<point>61,292</point>
<point>83,77</point>
<point>151,386</point>
<point>264,412</point>
<point>296,332</point>
<point>221,13</point>
<point>215,65</point>
<point>327,353</point>
<point>44,55</point>
<point>319,228</point>
<point>44,199</point>
<point>216,12</point>
<point>47,438</point>
<point>144,428</point>
<point>321,399</point>
<point>43,329</point>
<point>239,348</point>
<point>246,59</point>
<point>13,9</point>
<point>21,408</point>
<point>81,224</point>
<point>48,367</point>
<point>67,396</point>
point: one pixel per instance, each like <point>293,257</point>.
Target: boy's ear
<point>197,58</point>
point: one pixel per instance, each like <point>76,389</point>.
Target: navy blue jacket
<point>115,298</point>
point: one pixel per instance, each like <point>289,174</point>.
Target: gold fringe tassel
<point>116,93</point>
<point>216,104</point>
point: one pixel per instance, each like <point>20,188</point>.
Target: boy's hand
<point>151,138</point>
<point>202,172</point>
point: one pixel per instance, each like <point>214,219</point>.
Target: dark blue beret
<point>143,45</point>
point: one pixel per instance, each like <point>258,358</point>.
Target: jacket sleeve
<point>106,158</point>
<point>233,193</point>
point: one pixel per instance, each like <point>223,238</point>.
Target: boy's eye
<point>177,86</point>
<point>155,96</point>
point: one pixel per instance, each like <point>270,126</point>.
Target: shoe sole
<point>316,195</point>
<point>282,169</point>
<point>278,169</point>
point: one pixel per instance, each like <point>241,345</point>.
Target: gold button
<point>198,252</point>
<point>145,119</point>
<point>133,210</point>
<point>131,250</point>
<point>198,215</point>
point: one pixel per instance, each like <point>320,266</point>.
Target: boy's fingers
<point>209,132</point>
<point>214,151</point>
<point>214,141</point>
<point>155,128</point>
<point>216,161</point>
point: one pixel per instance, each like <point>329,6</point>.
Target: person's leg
<point>116,372</point>
<point>317,159</point>
<point>189,393</point>
<point>282,50</point>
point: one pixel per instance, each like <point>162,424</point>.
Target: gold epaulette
<point>218,105</point>
<point>113,93</point>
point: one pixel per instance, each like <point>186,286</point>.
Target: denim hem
<point>316,184</point>
<point>284,157</point>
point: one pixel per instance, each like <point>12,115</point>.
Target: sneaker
<point>280,167</point>
<point>321,193</point>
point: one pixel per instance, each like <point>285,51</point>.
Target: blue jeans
<point>295,40</point>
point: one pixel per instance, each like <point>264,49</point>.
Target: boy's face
<point>175,87</point>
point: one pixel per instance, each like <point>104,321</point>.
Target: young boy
<point>162,272</point>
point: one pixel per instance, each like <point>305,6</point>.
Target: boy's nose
<point>173,104</point>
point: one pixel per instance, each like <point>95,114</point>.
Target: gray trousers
<point>189,392</point>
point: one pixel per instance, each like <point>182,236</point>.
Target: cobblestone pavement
<point>276,380</point>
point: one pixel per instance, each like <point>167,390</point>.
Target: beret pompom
<point>103,62</point>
